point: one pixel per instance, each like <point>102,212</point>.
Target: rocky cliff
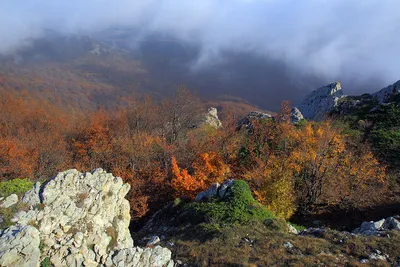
<point>76,219</point>
<point>321,101</point>
<point>386,94</point>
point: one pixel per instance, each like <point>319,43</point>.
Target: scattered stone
<point>153,241</point>
<point>288,245</point>
<point>377,255</point>
<point>379,227</point>
<point>9,201</point>
<point>292,230</point>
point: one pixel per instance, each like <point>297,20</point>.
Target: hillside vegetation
<point>165,150</point>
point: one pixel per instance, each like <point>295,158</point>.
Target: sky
<point>357,41</point>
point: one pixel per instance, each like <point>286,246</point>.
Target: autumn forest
<point>163,150</point>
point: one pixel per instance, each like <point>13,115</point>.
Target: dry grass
<point>257,245</point>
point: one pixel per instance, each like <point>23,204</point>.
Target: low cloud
<point>354,41</point>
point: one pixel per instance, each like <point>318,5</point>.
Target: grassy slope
<point>230,232</point>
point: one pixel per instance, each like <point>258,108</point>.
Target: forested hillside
<point>164,149</point>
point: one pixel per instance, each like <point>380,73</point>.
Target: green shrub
<point>15,186</point>
<point>238,207</point>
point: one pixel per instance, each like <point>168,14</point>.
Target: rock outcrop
<point>321,101</point>
<point>215,191</point>
<point>79,219</point>
<point>212,118</point>
<point>378,227</point>
<point>386,94</point>
<point>246,122</point>
<point>296,115</point>
<point>19,246</point>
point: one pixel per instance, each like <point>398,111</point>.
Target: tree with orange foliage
<point>211,169</point>
<point>183,183</point>
<point>323,162</point>
<point>301,166</point>
<point>208,169</point>
<point>91,145</point>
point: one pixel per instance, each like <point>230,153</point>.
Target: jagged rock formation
<point>215,190</point>
<point>321,101</point>
<point>17,241</point>
<point>296,115</point>
<point>209,118</point>
<point>378,227</point>
<point>80,220</point>
<point>386,94</point>
<point>212,118</point>
<point>246,122</point>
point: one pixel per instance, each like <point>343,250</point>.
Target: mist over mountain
<point>265,51</point>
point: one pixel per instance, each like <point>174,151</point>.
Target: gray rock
<point>11,200</point>
<point>371,228</point>
<point>160,257</point>
<point>153,241</point>
<point>321,101</point>
<point>32,196</point>
<point>392,224</point>
<point>292,230</point>
<point>385,95</point>
<point>210,193</point>
<point>224,187</point>
<point>19,246</point>
<point>212,118</point>
<point>295,115</point>
<point>288,245</point>
<point>375,228</point>
<point>246,122</point>
<point>377,255</point>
